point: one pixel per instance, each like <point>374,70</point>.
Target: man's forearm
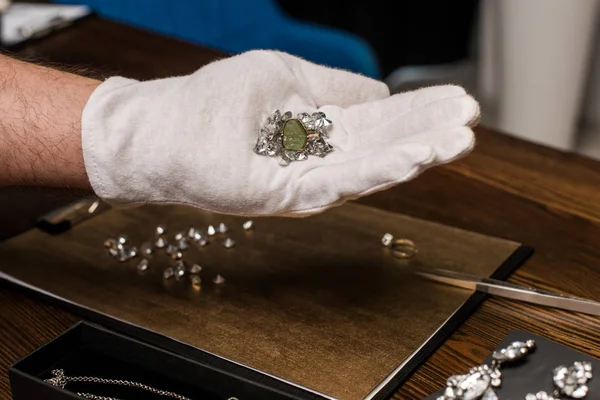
<point>40,125</point>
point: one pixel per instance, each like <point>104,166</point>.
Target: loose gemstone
<point>195,269</point>
<point>219,280</point>
<point>222,228</point>
<point>160,243</point>
<point>294,135</point>
<point>196,281</point>
<point>113,252</point>
<point>179,269</point>
<point>160,230</point>
<point>211,231</point>
<point>171,249</point>
<point>178,236</point>
<point>228,243</point>
<point>192,232</point>
<point>133,252</point>
<point>248,225</point>
<point>183,244</point>
<point>147,249</point>
<point>168,273</point>
<point>122,239</point>
<point>177,255</point>
<point>142,265</point>
<point>387,239</point>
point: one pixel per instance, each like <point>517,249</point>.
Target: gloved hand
<point>190,139</point>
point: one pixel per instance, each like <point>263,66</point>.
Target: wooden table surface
<point>507,188</point>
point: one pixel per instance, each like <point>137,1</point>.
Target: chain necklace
<point>60,379</point>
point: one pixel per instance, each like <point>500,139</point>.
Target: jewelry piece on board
<point>294,139</point>
<point>569,382</point>
<point>59,379</point>
<point>479,383</point>
<point>514,351</point>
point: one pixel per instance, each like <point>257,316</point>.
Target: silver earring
<point>481,381</point>
<point>569,382</point>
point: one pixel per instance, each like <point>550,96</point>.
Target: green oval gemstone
<point>294,135</point>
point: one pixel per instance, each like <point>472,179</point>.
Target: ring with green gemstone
<point>294,139</point>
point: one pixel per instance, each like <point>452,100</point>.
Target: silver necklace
<point>60,379</point>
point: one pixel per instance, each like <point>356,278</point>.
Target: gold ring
<point>403,248</point>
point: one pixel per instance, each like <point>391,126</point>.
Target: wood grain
<point>506,188</point>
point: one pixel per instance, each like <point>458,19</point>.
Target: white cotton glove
<point>190,139</point>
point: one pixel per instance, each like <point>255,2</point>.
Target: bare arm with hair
<point>40,125</point>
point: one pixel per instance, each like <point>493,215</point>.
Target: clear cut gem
<point>160,230</point>
<point>219,280</point>
<point>191,233</point>
<point>211,231</point>
<point>196,281</point>
<point>122,239</point>
<point>228,243</point>
<point>179,236</point>
<point>113,252</point>
<point>183,244</point>
<point>143,265</point>
<point>387,239</point>
<point>177,255</point>
<point>180,269</point>
<point>248,225</point>
<point>171,249</point>
<point>489,394</point>
<point>160,243</point>
<point>195,269</point>
<point>146,249</point>
<point>168,273</point>
<point>222,228</point>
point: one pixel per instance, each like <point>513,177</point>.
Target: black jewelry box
<point>91,350</point>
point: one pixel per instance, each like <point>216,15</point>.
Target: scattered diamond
<point>195,279</point>
<point>219,280</point>
<point>211,231</point>
<point>122,239</point>
<point>248,225</point>
<point>179,269</point>
<point>142,265</point>
<point>113,252</point>
<point>195,269</point>
<point>168,273</point>
<point>146,249</point>
<point>183,244</point>
<point>177,255</point>
<point>222,228</point>
<point>171,249</point>
<point>192,232</point>
<point>160,230</point>
<point>178,236</point>
<point>133,252</point>
<point>160,243</point>
<point>387,239</point>
<point>228,243</point>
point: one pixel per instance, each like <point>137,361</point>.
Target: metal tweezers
<point>511,291</point>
